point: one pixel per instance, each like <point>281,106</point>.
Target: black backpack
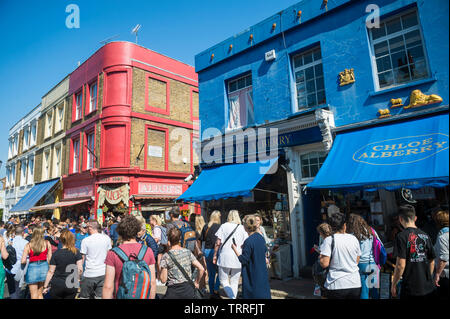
<point>12,258</point>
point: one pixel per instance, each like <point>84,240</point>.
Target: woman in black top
<point>208,237</point>
<point>65,269</point>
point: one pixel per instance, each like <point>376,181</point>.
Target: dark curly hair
<point>128,228</point>
<point>357,226</point>
<point>336,221</point>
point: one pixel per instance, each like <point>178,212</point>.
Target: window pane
<point>314,170</point>
<point>384,64</point>
<point>241,83</point>
<point>309,73</point>
<point>310,86</point>
<point>409,20</point>
<point>301,89</point>
<point>319,69</point>
<point>300,76</point>
<point>396,44</point>
<point>385,79</point>
<point>413,39</point>
<point>317,55</point>
<point>305,172</point>
<point>381,49</point>
<point>312,100</point>
<point>302,102</point>
<point>415,54</point>
<point>401,75</point>
<point>399,59</point>
<point>393,26</point>
<point>419,70</point>
<point>298,61</point>
<point>248,81</point>
<point>233,86</point>
<point>307,58</point>
<point>319,83</point>
<point>321,97</point>
<point>379,32</point>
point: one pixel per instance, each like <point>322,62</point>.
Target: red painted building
<point>131,129</point>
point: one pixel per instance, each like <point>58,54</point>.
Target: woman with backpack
<point>368,269</point>
<point>116,260</point>
<point>175,269</point>
<point>5,255</point>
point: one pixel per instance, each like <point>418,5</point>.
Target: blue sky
<point>38,50</point>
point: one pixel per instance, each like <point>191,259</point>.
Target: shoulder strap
<point>119,252</point>
<point>332,247</point>
<point>142,252</point>
<point>181,269</point>
<point>229,236</point>
<point>444,230</point>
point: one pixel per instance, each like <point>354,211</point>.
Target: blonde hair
<point>214,218</point>
<point>37,242</point>
<point>199,223</point>
<point>233,217</point>
<point>324,229</point>
<point>156,218</point>
<point>442,218</point>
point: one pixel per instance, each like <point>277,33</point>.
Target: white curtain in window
<point>241,108</point>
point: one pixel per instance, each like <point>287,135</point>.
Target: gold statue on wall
<point>396,103</point>
<point>346,77</point>
<point>419,99</point>
<point>384,113</point>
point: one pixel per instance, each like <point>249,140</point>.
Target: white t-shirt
<point>344,271</point>
<point>227,257</point>
<point>156,233</point>
<point>95,247</point>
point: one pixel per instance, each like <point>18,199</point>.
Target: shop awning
<point>227,181</point>
<point>410,154</point>
<point>59,204</point>
<point>33,196</point>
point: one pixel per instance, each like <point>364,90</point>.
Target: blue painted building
<point>321,67</point>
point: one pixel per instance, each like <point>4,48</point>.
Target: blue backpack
<point>164,239</point>
<point>188,236</point>
<point>136,275</point>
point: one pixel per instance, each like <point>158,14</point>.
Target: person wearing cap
<point>80,234</point>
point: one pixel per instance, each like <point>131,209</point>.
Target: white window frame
<point>10,148</point>
<point>75,158</point>
<point>23,172</point>
<point>229,92</point>
<point>59,120</point>
<point>93,98</point>
<point>26,138</point>
<point>30,175</point>
<point>304,67</point>
<point>78,106</point>
<point>13,174</point>
<point>33,133</point>
<point>89,156</point>
<point>8,177</point>
<point>56,170</point>
<point>16,144</point>
<point>394,35</point>
<point>48,123</point>
<point>46,164</point>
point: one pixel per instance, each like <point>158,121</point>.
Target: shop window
<point>240,103</point>
<point>311,163</point>
<point>398,50</point>
<point>309,81</point>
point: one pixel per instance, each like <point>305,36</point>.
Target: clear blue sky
<point>38,50</point>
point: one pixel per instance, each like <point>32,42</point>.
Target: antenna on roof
<point>135,31</point>
<point>109,39</point>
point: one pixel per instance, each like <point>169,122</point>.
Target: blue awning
<point>410,154</point>
<point>228,181</point>
<point>33,196</point>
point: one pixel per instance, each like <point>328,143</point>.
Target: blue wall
<point>343,38</point>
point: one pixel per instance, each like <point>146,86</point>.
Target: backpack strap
<point>119,252</point>
<point>142,252</point>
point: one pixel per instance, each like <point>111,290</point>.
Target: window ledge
<point>403,86</point>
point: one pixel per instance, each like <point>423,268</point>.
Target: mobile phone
<point>234,242</point>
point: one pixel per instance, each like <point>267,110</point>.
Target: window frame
<point>89,109</point>
<point>46,164</point>
<point>386,37</point>
<point>229,92</point>
<point>88,156</point>
<point>23,172</point>
<point>304,67</point>
<point>56,170</point>
<point>30,174</point>
<point>305,153</point>
<point>75,106</point>
<point>48,124</point>
<point>72,155</point>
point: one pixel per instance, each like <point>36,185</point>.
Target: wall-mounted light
<point>212,56</point>
<point>274,26</point>
<point>251,37</point>
<point>230,48</point>
<point>299,16</point>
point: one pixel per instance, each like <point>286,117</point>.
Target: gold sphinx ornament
<point>396,103</point>
<point>417,99</point>
<point>346,77</point>
<point>384,113</point>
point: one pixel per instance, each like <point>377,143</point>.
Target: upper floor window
<point>46,165</point>
<point>90,150</point>
<point>8,177</point>
<point>23,172</point>
<point>59,118</point>
<point>33,131</point>
<point>92,97</point>
<point>10,148</point>
<point>13,175</point>
<point>26,138</point>
<point>311,163</point>
<point>78,105</point>
<point>30,178</point>
<point>309,82</point>
<point>48,124</point>
<point>398,50</point>
<point>240,99</point>
<point>57,161</point>
<point>15,144</point>
<point>76,156</point>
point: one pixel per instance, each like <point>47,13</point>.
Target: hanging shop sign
<point>80,191</point>
<point>113,195</point>
<point>160,189</point>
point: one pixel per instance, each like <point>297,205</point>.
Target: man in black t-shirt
<point>415,258</point>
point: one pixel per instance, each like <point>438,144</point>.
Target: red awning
<point>60,204</point>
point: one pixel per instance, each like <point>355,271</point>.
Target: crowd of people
<point>85,259</point>
<point>348,254</point>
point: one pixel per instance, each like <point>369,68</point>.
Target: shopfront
<point>372,170</point>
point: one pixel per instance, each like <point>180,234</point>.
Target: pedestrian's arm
<point>80,267</point>
<point>49,252</point>
<point>108,286</point>
<point>201,271</point>
<point>439,269</point>
<point>324,261</point>
<point>26,251</point>
<point>163,275</point>
<point>152,282</point>
<point>50,273</point>
<point>400,265</point>
<point>431,266</point>
<point>216,249</point>
<point>4,252</point>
